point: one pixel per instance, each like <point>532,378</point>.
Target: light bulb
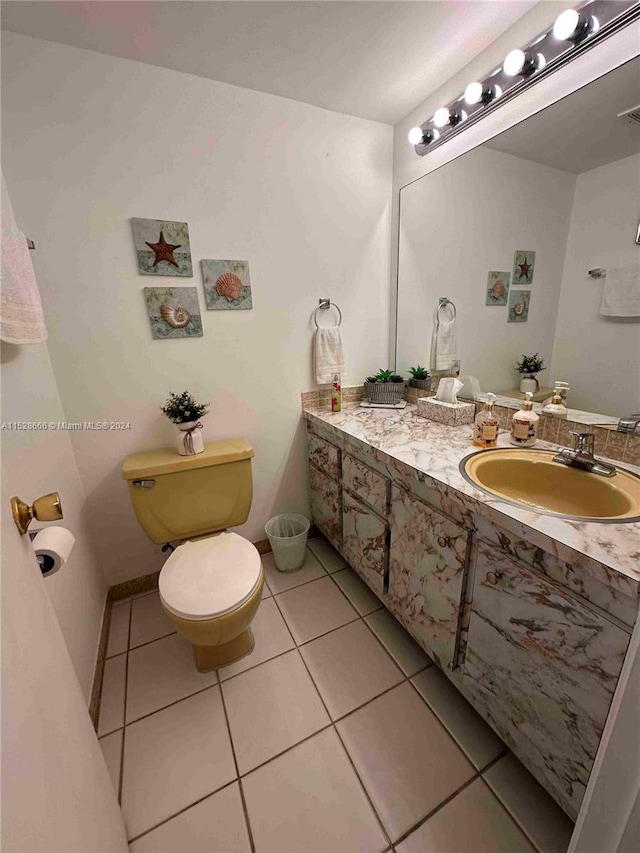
<point>473,93</point>
<point>477,93</point>
<point>441,117</point>
<point>514,62</point>
<point>565,25</point>
<point>418,136</point>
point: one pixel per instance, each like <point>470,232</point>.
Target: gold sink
<point>531,479</point>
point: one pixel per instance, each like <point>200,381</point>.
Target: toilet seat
<point>208,578</point>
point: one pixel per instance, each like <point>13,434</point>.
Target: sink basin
<point>531,479</point>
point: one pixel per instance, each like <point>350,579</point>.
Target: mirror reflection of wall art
<point>227,285</point>
<point>162,247</point>
<point>519,306</point>
<point>174,312</point>
<point>523,264</point>
<point>498,288</point>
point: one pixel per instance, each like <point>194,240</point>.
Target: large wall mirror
<point>565,185</point>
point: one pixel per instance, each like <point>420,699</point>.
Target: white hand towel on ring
<point>328,354</point>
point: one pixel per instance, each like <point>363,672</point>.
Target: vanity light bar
<point>574,31</point>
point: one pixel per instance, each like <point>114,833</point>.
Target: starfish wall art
<point>162,247</point>
<point>523,264</point>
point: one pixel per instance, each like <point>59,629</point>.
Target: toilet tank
<point>179,497</point>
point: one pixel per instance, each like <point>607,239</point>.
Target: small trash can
<point>288,537</point>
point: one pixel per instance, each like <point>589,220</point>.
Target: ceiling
<point>582,131</point>
<point>377,60</point>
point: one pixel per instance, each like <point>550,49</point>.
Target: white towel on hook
<point>621,293</point>
<point>328,354</point>
<point>444,342</point>
<point>21,318</point>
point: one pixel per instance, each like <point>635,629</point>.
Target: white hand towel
<point>444,343</point>
<point>328,355</point>
<point>21,318</point>
<point>621,293</point>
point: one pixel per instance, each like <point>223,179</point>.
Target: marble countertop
<point>436,450</point>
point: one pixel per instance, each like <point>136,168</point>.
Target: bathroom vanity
<point>529,615</point>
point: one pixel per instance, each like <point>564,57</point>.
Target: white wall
<point>304,194</point>
<point>458,223</point>
<point>600,356</point>
<point>47,464</point>
<point>57,794</point>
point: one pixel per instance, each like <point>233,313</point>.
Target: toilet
<point>211,585</point>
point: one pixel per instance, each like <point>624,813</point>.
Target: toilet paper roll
<point>52,546</point>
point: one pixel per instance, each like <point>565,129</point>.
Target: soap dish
<point>452,414</point>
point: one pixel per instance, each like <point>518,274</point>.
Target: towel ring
<point>443,302</point>
<point>323,304</point>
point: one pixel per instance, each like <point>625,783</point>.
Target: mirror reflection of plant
<point>182,408</point>
<point>384,376</point>
<point>419,372</point>
<point>530,364</point>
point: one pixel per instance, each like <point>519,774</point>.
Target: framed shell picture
<point>162,247</point>
<point>519,301</point>
<point>227,285</point>
<point>498,287</point>
<point>174,312</point>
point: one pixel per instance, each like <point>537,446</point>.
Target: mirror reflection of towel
<point>621,294</point>
<point>444,342</point>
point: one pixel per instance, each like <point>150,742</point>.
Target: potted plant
<point>384,387</point>
<point>528,367</point>
<point>420,378</point>
<point>185,412</point>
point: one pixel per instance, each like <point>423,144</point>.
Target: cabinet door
<point>541,667</point>
<point>324,455</point>
<point>326,506</point>
<point>366,484</point>
<point>365,542</point>
<point>426,570</point>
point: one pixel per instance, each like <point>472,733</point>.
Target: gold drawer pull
<point>493,577</point>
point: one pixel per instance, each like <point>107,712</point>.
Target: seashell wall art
<point>174,312</point>
<point>498,287</point>
<point>226,285</point>
<point>519,301</point>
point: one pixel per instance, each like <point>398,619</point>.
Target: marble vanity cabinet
<point>534,641</point>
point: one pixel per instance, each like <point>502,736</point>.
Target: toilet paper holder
<point>46,508</point>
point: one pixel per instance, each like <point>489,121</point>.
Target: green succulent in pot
<point>420,378</point>
<point>384,376</point>
<point>384,387</point>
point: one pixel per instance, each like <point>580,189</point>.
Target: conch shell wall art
<point>498,287</point>
<point>174,312</point>
<point>162,246</point>
<point>227,285</point>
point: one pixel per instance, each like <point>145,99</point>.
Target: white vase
<point>529,383</point>
<point>190,440</point>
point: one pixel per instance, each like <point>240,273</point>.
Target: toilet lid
<point>210,577</point>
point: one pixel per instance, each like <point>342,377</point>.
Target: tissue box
<point>452,414</point>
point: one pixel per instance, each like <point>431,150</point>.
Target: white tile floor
<point>336,734</point>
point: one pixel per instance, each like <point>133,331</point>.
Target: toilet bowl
<point>210,590</point>
<point>211,585</point>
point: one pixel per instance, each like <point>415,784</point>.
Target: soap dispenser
<point>485,426</point>
<point>524,424</point>
<point>556,408</point>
